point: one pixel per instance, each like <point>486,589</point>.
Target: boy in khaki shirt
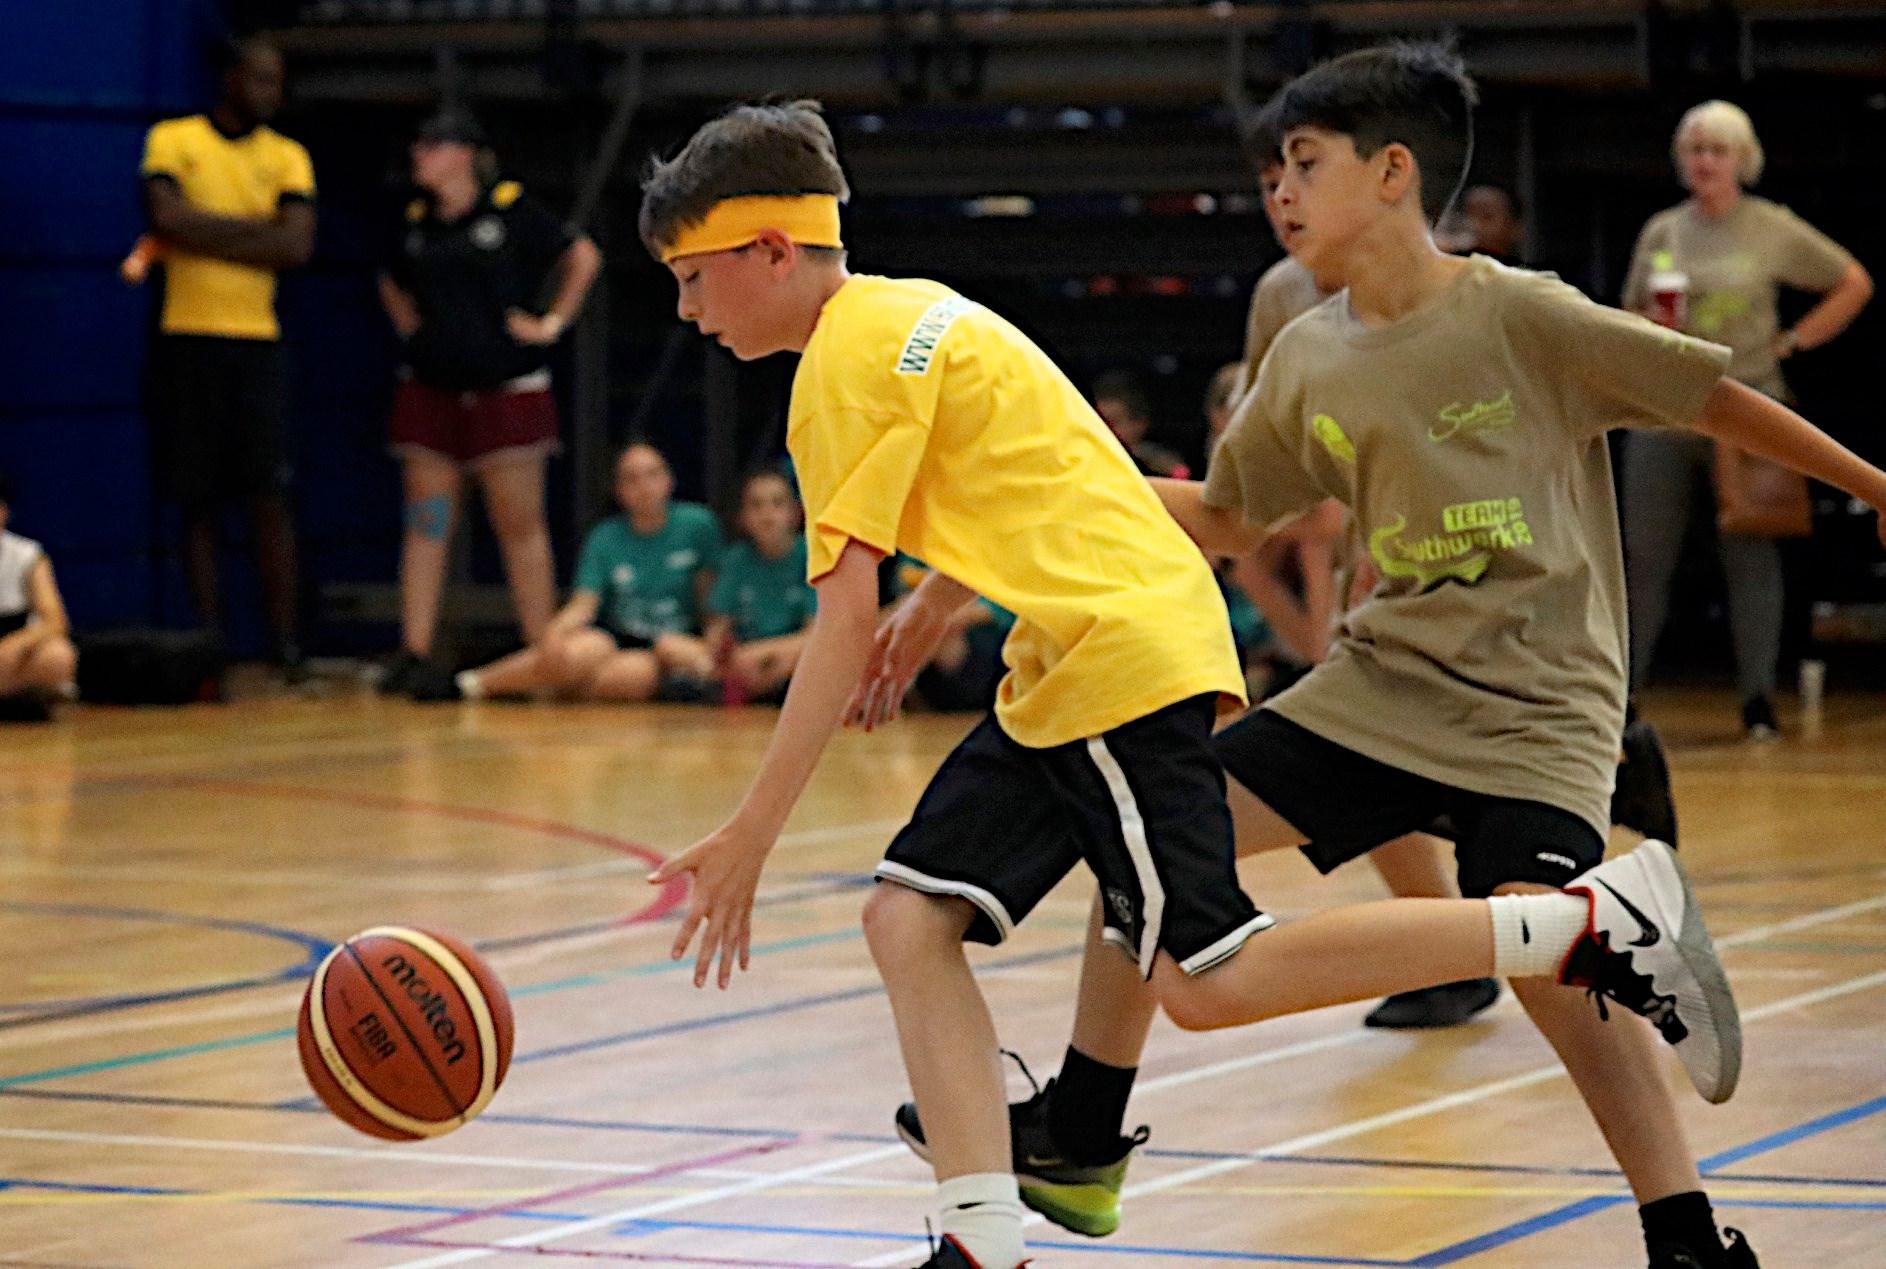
<point>1458,407</point>
<point>923,422</point>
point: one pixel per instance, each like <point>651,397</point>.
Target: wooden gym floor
<point>168,878</point>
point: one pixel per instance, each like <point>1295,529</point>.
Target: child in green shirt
<point>761,602</point>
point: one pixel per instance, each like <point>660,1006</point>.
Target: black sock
<point>1683,1220</point>
<point>1087,1109</point>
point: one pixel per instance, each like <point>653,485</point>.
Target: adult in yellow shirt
<point>232,203</point>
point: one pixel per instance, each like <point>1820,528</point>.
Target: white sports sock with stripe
<point>1533,932</point>
<point>983,1212</point>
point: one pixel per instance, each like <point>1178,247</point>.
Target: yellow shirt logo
<point>1481,416</point>
<point>1472,533</point>
<point>1334,439</point>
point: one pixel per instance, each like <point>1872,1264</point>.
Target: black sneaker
<point>686,689</point>
<point>1641,799</point>
<point>1736,1255</point>
<point>949,1254</point>
<point>1448,1005</point>
<point>1758,720</point>
<point>430,681</point>
<point>1080,1196</point>
<point>293,663</point>
<point>396,678</point>
<point>1646,948</point>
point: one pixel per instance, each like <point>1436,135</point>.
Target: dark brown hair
<point>778,148</point>
<point>1416,93</point>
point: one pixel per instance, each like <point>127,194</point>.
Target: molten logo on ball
<point>431,1004</point>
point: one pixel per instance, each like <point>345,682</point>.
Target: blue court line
<point>766,1011</point>
<point>647,969</point>
<point>881,1139</point>
<point>823,890</point>
<point>1108,1248</point>
<point>372,1205</point>
<point>313,948</point>
<point>282,1033</point>
<point>1585,1207</point>
<point>147,1057</point>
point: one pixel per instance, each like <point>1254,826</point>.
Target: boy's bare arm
<point>726,864</point>
<point>1217,530</point>
<point>907,640</point>
<point>1761,425</point>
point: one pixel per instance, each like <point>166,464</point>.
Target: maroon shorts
<point>476,427</point>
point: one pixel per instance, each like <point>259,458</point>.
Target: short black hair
<point>1118,385</point>
<point>771,471</point>
<point>6,490</point>
<point>1415,93</point>
<point>237,49</point>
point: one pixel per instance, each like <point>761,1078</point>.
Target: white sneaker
<point>1646,948</point>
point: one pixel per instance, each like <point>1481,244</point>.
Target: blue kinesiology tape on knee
<point>429,517</point>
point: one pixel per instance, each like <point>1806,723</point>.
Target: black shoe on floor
<point>1081,1196</point>
<point>1448,1005</point>
<point>396,678</point>
<point>293,664</point>
<point>430,681</point>
<point>1736,1255</point>
<point>949,1254</point>
<point>686,689</point>
<point>1758,720</point>
<point>25,707</point>
<point>1641,800</point>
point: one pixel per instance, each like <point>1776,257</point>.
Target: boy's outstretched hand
<point>725,867</point>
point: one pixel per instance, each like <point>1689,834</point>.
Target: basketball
<point>404,1034</point>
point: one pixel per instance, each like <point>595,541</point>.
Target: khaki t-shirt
<point>1735,264</point>
<point>1283,294</point>
<point>1468,438</point>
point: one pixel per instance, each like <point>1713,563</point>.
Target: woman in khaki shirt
<point>1711,267</point>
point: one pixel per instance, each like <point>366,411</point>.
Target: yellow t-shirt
<point>921,421</point>
<point>247,177</point>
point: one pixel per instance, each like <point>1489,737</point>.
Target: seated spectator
<point>761,602</point>
<point>631,629</point>
<point>1128,411</point>
<point>37,661</point>
<point>967,667</point>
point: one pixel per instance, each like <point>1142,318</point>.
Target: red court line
<point>658,1258</point>
<point>670,897</point>
<point>406,1232</point>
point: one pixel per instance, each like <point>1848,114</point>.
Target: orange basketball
<point>405,1034</point>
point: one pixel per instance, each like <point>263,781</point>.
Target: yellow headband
<point>811,220</point>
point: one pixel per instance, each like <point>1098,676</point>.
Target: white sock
<point>468,685</point>
<point>1533,932</point>
<point>984,1213</point>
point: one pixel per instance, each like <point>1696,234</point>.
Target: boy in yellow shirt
<point>922,421</point>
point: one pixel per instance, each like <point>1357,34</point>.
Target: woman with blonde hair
<point>1711,267</point>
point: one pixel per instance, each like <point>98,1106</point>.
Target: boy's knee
<point>902,924</point>
<point>1193,1004</point>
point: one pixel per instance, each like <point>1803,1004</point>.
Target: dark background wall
<point>1142,245</point>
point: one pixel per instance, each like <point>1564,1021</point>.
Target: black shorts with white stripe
<point>1346,804</point>
<point>1144,804</point>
